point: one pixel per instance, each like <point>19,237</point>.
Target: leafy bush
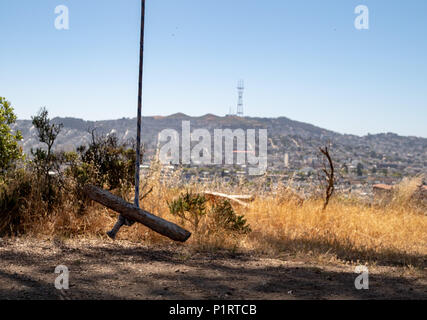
<point>10,151</point>
<point>107,163</point>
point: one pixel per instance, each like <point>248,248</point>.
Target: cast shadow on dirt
<point>98,272</point>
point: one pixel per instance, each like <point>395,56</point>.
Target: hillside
<point>393,153</point>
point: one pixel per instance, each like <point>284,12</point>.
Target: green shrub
<point>10,151</point>
<point>107,163</point>
<point>189,207</point>
<point>192,208</point>
<point>225,218</point>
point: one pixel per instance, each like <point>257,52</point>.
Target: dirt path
<point>121,270</point>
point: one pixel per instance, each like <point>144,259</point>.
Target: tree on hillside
<point>46,161</point>
<point>10,151</point>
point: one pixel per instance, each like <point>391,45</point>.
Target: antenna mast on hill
<point>240,90</point>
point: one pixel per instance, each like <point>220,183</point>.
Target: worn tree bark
<point>133,213</point>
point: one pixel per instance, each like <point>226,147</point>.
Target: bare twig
<point>146,194</point>
<point>329,176</point>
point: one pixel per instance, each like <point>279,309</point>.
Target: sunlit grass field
<point>348,230</point>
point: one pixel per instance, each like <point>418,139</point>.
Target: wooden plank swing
<point>129,214</point>
<point>133,213</point>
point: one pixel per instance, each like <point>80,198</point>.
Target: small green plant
<point>189,207</point>
<point>226,218</point>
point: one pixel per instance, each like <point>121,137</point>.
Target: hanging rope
<point>138,132</point>
<point>122,220</point>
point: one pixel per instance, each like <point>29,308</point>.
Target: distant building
<point>287,160</point>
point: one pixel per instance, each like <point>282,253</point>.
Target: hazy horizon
<point>222,116</point>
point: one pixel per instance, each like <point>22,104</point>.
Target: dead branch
<point>329,174</point>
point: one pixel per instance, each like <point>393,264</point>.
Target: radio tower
<point>240,89</point>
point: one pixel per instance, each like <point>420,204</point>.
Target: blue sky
<point>301,59</point>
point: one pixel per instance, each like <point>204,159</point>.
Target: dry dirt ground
<point>105,270</point>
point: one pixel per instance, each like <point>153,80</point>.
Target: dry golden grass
<point>348,230</point>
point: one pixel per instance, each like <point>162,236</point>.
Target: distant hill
<point>77,131</point>
<point>300,140</point>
